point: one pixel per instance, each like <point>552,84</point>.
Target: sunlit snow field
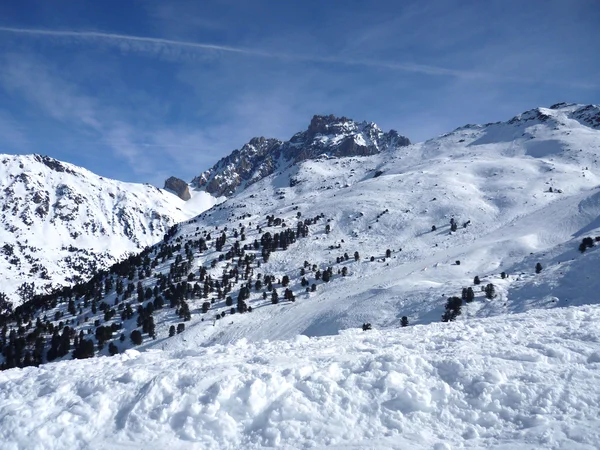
<point>526,381</point>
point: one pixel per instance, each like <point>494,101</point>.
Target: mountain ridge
<point>260,157</point>
<point>328,243</point>
<point>60,222</point>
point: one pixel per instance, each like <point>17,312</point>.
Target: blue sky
<point>141,90</point>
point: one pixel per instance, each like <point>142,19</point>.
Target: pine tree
<point>453,309</point>
<point>136,337</point>
<point>404,321</point>
<point>476,280</point>
<point>490,291</point>
<point>113,349</point>
<point>470,295</point>
<point>538,268</point>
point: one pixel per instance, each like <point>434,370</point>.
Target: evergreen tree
<point>470,295</point>
<point>113,349</point>
<point>85,349</point>
<point>136,337</point>
<point>404,321</point>
<point>538,268</point>
<point>453,309</point>
<point>476,280</point>
<point>490,291</point>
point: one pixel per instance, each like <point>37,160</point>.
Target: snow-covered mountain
<point>326,135</point>
<point>59,222</point>
<point>483,222</point>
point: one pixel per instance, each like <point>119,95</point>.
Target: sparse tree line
<point>81,320</point>
<point>453,306</point>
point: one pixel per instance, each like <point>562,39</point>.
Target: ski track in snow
<point>526,381</point>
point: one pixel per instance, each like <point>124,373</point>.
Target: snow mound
<point>526,381</point>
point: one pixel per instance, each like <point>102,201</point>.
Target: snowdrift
<point>516,382</point>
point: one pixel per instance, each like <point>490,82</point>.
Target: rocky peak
<point>326,134</point>
<point>178,187</point>
<point>588,115</point>
<point>327,125</point>
<point>53,164</point>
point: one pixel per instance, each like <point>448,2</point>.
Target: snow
<point>518,371</point>
<point>518,382</point>
<point>103,219</point>
<point>496,184</point>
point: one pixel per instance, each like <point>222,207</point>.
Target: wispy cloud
<point>94,124</point>
<point>11,135</point>
<point>157,45</point>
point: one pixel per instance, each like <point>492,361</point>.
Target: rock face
<point>179,187</point>
<point>326,135</point>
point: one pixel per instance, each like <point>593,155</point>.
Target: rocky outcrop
<point>178,187</point>
<point>325,135</point>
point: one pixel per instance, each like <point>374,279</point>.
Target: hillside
<point>526,381</point>
<point>372,234</point>
<point>61,222</point>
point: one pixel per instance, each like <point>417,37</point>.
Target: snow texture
<point>519,382</point>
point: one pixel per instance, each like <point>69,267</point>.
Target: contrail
<point>160,42</point>
<point>128,38</point>
<point>163,43</point>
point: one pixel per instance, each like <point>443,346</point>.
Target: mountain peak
<point>327,124</point>
<point>326,134</point>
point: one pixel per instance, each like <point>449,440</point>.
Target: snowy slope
<point>526,381</point>
<point>494,178</point>
<point>59,222</point>
<point>497,176</point>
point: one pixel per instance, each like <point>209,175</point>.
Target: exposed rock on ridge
<point>330,135</point>
<point>179,187</point>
